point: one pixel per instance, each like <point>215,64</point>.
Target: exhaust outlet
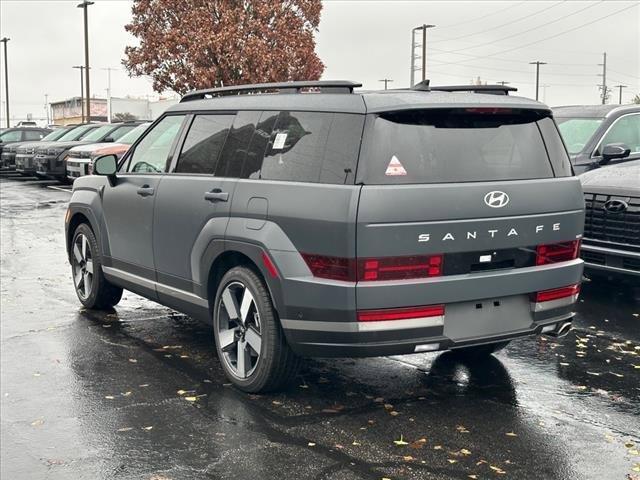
<point>562,330</point>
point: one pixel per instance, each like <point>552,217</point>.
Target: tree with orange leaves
<point>192,44</point>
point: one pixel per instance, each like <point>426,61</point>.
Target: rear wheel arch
<point>244,255</point>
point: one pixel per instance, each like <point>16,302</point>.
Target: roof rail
<point>325,86</point>
<point>490,89</point>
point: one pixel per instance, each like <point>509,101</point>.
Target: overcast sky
<point>358,40</point>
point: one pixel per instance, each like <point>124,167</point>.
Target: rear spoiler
<point>487,89</point>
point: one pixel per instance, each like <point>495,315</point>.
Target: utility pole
<point>81,67</point>
<point>414,46</point>
<point>537,64</point>
<point>386,80</point>
<point>6,76</point>
<point>108,69</point>
<point>46,107</point>
<point>620,87</point>
<point>603,87</point>
<point>85,6</point>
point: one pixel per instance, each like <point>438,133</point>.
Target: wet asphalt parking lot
<point>138,393</point>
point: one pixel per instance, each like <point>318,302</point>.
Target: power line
<point>556,35</point>
<point>511,22</point>
<point>497,69</point>
<point>530,29</point>
<point>484,16</point>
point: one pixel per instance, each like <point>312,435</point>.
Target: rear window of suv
<point>460,145</point>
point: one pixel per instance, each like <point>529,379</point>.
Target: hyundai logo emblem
<point>615,206</point>
<point>496,199</point>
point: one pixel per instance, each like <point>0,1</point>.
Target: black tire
<point>101,294</point>
<point>275,365</point>
<point>479,351</point>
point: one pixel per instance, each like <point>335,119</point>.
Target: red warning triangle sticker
<point>395,168</point>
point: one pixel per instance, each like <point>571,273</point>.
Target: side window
<point>11,136</point>
<point>343,148</point>
<point>258,145</point>
<point>555,148</point>
<point>235,148</point>
<point>297,148</point>
<point>121,131</point>
<point>625,130</point>
<point>245,146</point>
<point>204,143</point>
<point>314,147</point>
<point>33,135</point>
<point>151,154</point>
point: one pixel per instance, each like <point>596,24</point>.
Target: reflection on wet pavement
<point>138,393</point>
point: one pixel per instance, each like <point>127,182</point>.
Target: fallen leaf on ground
<point>37,423</point>
<point>511,434</point>
<point>125,429</point>
<point>133,360</point>
<point>311,444</point>
<point>147,428</point>
<point>400,442</point>
<point>462,429</point>
<point>191,399</point>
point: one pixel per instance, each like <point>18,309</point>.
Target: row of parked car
<point>67,153</point>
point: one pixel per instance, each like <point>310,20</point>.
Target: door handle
<point>216,195</point>
<point>145,191</point>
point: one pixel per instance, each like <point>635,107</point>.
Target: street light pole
<point>386,80</point>
<point>81,68</point>
<point>537,64</point>
<point>85,6</point>
<point>424,51</point>
<point>6,76</point>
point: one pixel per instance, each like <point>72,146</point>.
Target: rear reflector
<point>556,293</point>
<point>268,264</point>
<point>400,313</point>
<point>557,252</point>
<point>399,268</point>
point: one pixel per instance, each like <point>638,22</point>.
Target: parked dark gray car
<point>335,223</point>
<point>599,135</point>
<point>51,161</point>
<point>611,245</point>
<point>10,151</point>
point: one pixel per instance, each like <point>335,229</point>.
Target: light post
<point>81,68</point>
<point>6,76</point>
<point>85,6</point>
<point>424,51</point>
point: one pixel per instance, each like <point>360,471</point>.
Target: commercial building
<point>69,111</point>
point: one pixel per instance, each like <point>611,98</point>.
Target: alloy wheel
<point>239,332</point>
<point>82,266</point>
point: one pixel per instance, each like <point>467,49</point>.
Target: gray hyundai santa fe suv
<point>330,222</point>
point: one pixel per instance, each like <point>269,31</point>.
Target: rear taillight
<point>557,252</point>
<point>372,269</point>
<point>334,268</point>
<point>400,313</point>
<point>399,268</point>
<point>557,293</point>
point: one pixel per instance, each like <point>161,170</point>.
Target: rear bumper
<point>479,308</point>
<point>614,261</point>
<point>317,343</point>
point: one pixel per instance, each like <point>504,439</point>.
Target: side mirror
<point>106,165</point>
<point>108,140</point>
<point>612,151</point>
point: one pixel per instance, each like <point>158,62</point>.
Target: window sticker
<point>278,143</point>
<point>395,168</point>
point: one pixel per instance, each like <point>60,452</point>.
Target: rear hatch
<point>457,197</point>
